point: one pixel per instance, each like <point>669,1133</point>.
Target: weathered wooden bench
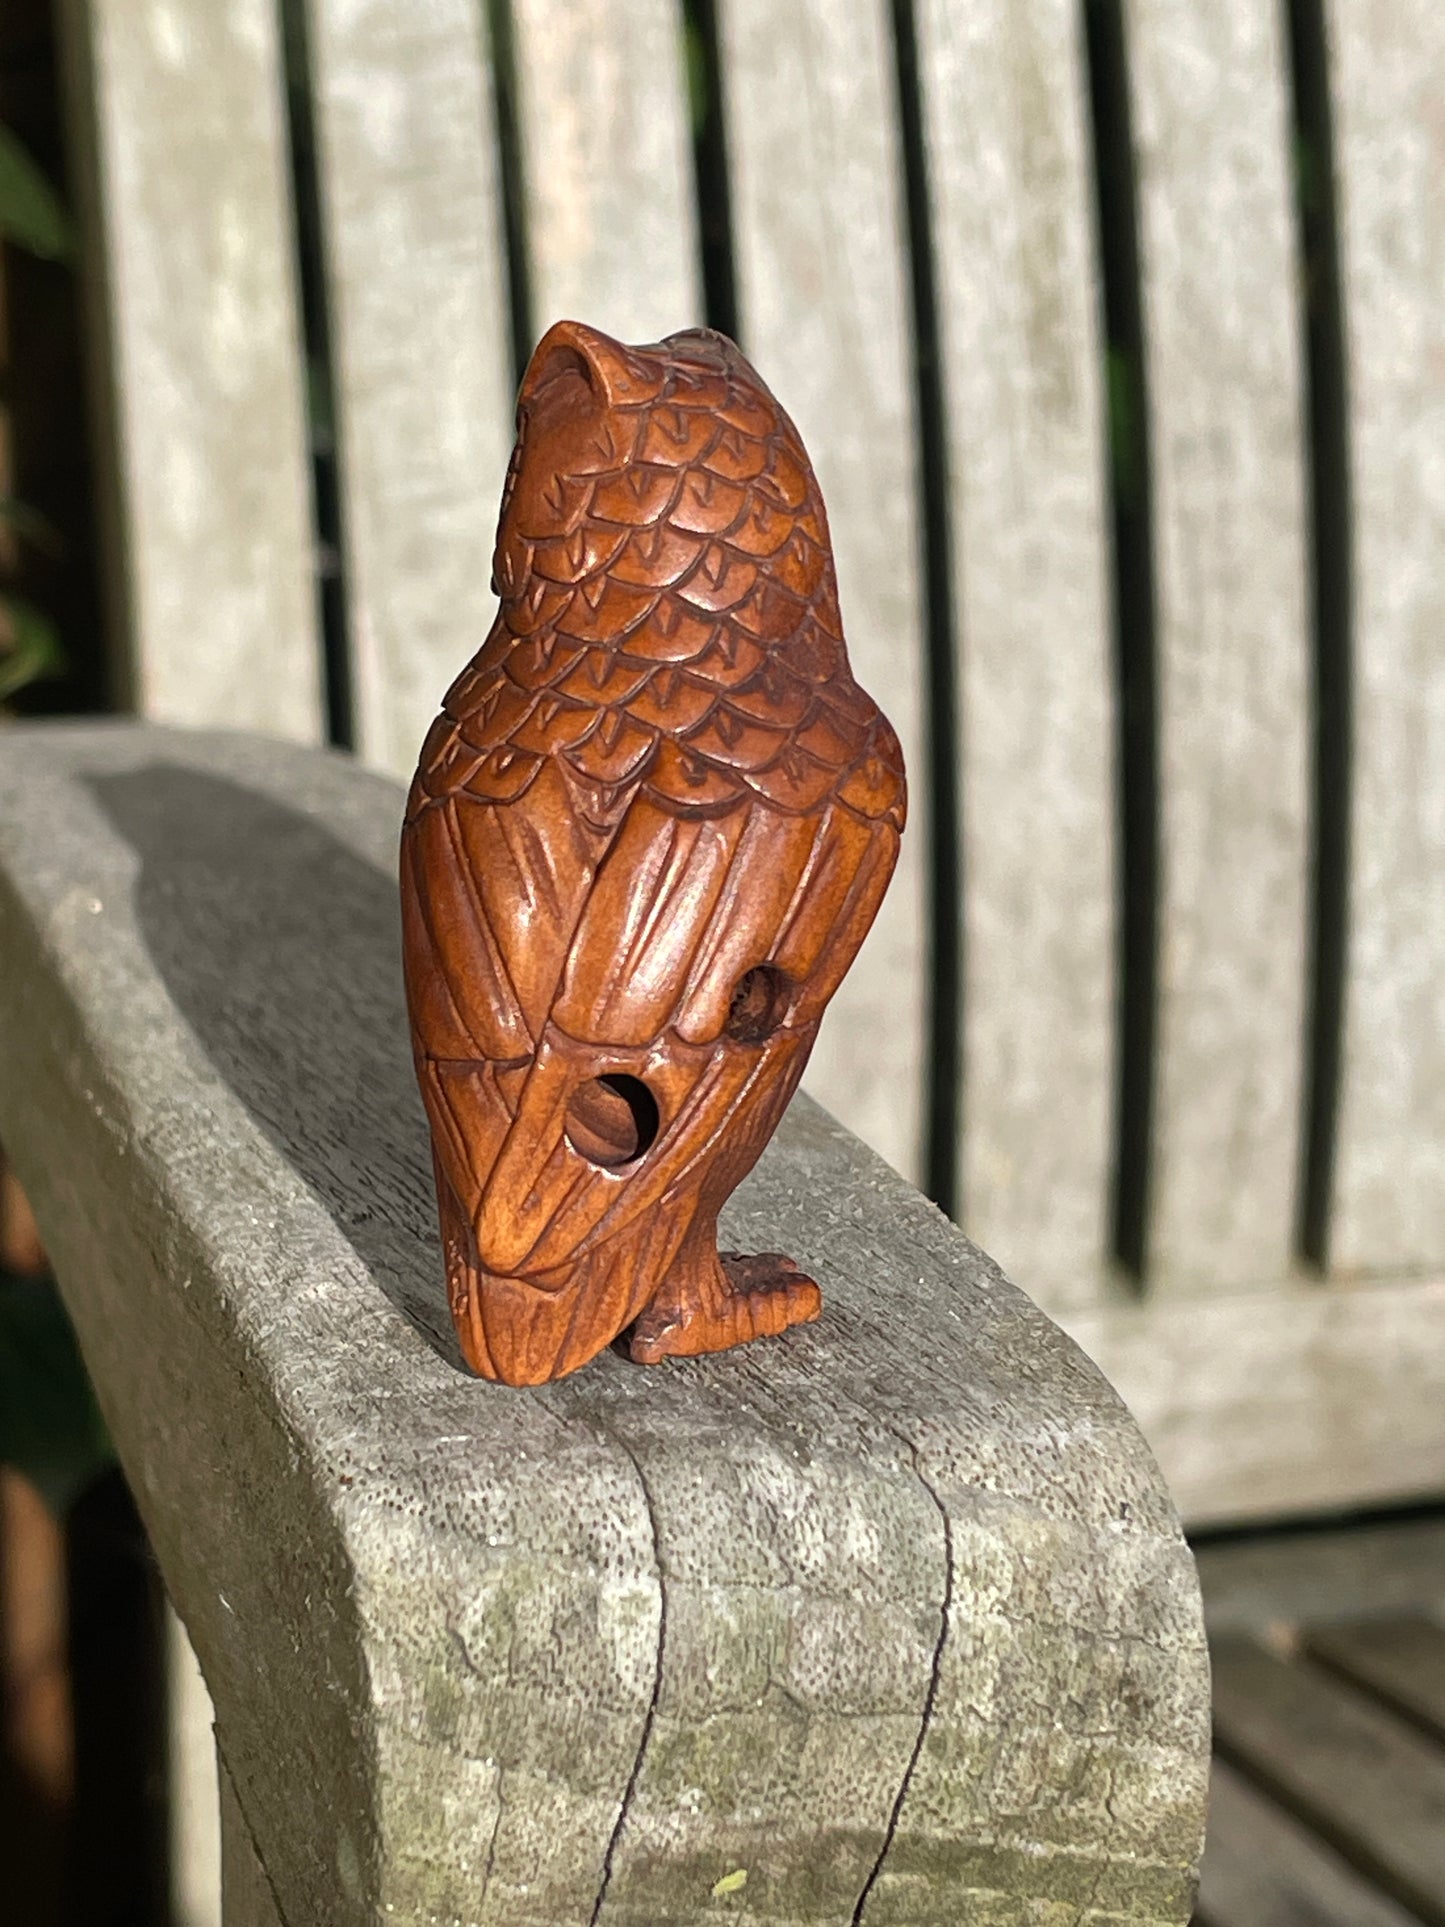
<point>1136,536</point>
<point>891,1617</point>
<point>1114,328</point>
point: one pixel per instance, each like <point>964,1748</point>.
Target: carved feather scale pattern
<point>670,620</point>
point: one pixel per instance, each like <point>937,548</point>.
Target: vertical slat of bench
<point>423,382</point>
<point>182,122</point>
<point>610,209</point>
<point>821,270</point>
<point>1389,77</point>
<point>1222,340</point>
<point>1004,95</point>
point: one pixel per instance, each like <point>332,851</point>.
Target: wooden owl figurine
<point>648,832</point>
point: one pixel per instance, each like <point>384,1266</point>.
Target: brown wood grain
<point>647,835</point>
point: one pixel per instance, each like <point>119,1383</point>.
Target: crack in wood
<point>931,1693</point>
<point>651,1714</point>
<point>491,1865</point>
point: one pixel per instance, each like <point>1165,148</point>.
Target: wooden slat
<point>1395,1567</point>
<point>1286,1402</point>
<point>824,315</point>
<point>185,174</point>
<point>1007,149</point>
<point>413,235</point>
<point>1356,1775</point>
<point>1263,1869</point>
<point>1389,78</point>
<point>610,208</point>
<point>1222,344</point>
<point>1401,1661</point>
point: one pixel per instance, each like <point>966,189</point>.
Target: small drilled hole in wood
<point>612,1120</point>
<point>760,1000</point>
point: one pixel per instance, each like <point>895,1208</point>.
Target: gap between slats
<point>1137,750</point>
<point>321,413</point>
<point>501,46</point>
<point>943,1097</point>
<point>1328,483</point>
<point>707,105</point>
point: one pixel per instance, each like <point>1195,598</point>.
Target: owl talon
<point>759,1296</point>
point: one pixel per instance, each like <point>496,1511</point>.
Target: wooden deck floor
<point>1327,1807</point>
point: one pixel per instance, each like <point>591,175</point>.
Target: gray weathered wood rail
<point>893,1615</point>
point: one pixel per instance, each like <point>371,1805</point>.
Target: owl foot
<point>751,1297</point>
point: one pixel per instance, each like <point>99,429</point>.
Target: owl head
<point>641,459</point>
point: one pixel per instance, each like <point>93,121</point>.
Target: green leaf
<point>31,526</point>
<point>50,1428</point>
<point>30,650</point>
<point>730,1883</point>
<point>319,412</point>
<point>1125,423</point>
<point>31,213</point>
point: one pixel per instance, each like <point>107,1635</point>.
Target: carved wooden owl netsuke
<point>647,835</point>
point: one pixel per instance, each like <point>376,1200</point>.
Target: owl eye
<point>759,1004</point>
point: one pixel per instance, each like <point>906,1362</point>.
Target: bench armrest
<point>892,1615</point>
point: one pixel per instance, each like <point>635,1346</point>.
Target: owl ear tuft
<point>572,348</point>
